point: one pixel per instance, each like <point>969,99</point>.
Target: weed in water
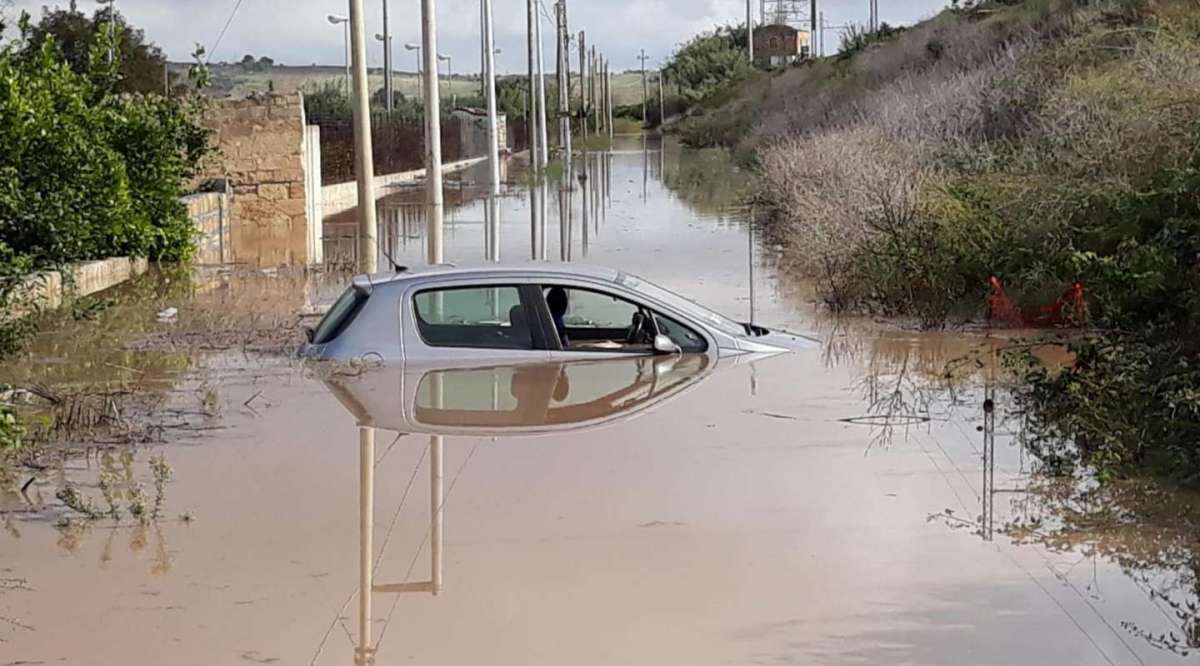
<point>77,502</point>
<point>162,476</point>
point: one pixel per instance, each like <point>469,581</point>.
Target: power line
<point>225,29</point>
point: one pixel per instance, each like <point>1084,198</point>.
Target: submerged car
<point>525,313</point>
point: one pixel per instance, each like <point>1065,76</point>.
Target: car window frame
<point>532,315</point>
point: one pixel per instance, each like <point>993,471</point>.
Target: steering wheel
<point>639,330</point>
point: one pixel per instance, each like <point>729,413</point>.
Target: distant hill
<point>237,80</point>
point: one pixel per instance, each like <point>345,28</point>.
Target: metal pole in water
<point>540,91</point>
<point>433,136</point>
<point>493,135</point>
<point>364,161</point>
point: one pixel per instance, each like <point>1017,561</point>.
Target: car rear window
<point>344,310</point>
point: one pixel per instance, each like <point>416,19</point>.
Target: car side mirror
<point>665,345</point>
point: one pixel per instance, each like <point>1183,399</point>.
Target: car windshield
<point>690,308</point>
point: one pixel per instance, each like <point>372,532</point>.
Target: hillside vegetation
<point>1046,143</point>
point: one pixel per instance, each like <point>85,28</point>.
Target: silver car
<point>525,313</point>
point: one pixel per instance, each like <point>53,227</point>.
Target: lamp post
<point>449,75</point>
<point>420,71</point>
<point>387,67</point>
<point>343,21</point>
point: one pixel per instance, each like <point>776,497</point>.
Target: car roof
<point>491,269</point>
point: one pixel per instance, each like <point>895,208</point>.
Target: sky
<point>296,32</point>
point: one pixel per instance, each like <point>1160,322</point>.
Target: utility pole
<point>583,101</point>
<point>596,120</point>
<point>493,138</point>
<point>608,95</point>
<point>643,57</point>
<point>364,161</point>
<point>750,31</point>
<point>564,82</point>
<point>543,138</point>
<point>812,17</point>
<point>433,136</point>
<point>387,57</point>
<point>531,110</point>
<point>531,125</point>
<point>662,106</point>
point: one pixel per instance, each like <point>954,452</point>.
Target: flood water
<point>854,503</point>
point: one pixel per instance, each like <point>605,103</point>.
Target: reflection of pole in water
<point>987,517</point>
<point>436,506</point>
<point>645,167</point>
<point>366,526</point>
<point>750,234</point>
<point>585,203</point>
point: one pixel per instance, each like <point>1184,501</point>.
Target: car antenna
<point>396,268</point>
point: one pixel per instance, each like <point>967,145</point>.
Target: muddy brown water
<point>840,505</point>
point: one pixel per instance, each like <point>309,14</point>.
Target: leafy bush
<point>86,172</point>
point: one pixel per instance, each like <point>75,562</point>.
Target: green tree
<point>141,65</point>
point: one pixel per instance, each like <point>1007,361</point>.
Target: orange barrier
<point>1069,310</point>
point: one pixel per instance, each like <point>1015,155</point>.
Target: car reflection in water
<point>515,400</point>
<point>495,401</point>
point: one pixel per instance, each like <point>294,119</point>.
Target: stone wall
<point>261,143</point>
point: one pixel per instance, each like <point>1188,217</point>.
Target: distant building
<point>778,45</point>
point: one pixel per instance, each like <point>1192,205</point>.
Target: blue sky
<point>296,32</point>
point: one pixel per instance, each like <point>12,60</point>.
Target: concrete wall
<point>261,142</point>
<point>50,289</point>
<point>473,131</point>
<point>210,212</point>
<point>344,196</point>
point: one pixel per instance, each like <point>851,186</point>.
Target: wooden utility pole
<point>645,91</point>
<point>363,159</point>
<point>583,101</point>
<point>433,135</point>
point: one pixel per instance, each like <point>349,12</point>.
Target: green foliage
<point>12,433</point>
<point>708,63</point>
<point>86,171</point>
<point>77,37</point>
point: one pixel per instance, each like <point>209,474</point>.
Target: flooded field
<point>855,503</point>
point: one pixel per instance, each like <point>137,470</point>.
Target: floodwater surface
<point>854,503</point>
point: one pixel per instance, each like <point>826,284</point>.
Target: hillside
<point>235,80</point>
<point>1029,162</point>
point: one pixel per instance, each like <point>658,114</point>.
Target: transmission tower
<point>794,13</point>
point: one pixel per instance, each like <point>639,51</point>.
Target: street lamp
<point>449,75</point>
<point>344,21</point>
<point>420,71</point>
<point>387,65</point>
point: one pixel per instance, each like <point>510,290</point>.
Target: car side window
<point>594,321</point>
<point>473,317</point>
<point>689,341</point>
